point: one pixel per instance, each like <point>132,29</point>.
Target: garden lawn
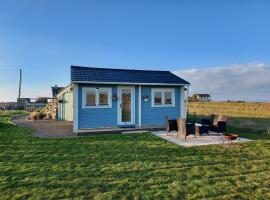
<point>131,166</point>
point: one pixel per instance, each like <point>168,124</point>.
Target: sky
<point>221,47</point>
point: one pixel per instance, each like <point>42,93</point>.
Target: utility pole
<point>20,85</point>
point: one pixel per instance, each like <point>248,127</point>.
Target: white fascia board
<point>75,108</point>
<point>64,90</point>
<point>129,83</point>
<point>140,105</point>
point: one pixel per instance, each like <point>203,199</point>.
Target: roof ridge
<point>104,68</point>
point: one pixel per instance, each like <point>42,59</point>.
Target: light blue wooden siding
<point>156,115</point>
<point>65,109</point>
<point>60,111</point>
<point>108,117</point>
<point>97,117</point>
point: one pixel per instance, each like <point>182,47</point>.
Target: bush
<point>41,115</point>
<point>34,115</point>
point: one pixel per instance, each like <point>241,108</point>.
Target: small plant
<point>41,115</point>
<point>34,115</point>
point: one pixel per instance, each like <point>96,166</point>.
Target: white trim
<point>133,116</point>
<point>118,105</point>
<point>88,89</point>
<point>162,90</point>
<point>182,103</point>
<point>140,105</point>
<point>75,108</point>
<point>119,120</point>
<point>63,90</point>
<point>129,83</point>
<point>187,100</point>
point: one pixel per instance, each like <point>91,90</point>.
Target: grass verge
<point>135,166</point>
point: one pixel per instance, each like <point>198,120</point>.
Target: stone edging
<point>13,117</point>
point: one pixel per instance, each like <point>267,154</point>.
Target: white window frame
<point>162,90</point>
<point>97,90</point>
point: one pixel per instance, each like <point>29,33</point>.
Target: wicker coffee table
<point>201,128</point>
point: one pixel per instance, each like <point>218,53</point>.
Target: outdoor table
<point>201,128</point>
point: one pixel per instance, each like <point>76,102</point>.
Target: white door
<point>126,105</point>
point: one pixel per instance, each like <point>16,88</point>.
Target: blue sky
<point>45,37</point>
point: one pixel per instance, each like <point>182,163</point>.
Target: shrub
<point>34,115</point>
<point>41,115</point>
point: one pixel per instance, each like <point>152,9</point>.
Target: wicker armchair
<point>216,123</point>
<point>171,125</point>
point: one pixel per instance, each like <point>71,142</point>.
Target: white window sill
<point>163,106</point>
<point>87,107</point>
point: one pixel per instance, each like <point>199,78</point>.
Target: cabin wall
<point>97,117</point>
<point>65,107</point>
<point>156,115</point>
<point>108,117</point>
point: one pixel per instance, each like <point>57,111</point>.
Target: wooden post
<point>182,102</point>
<point>20,85</point>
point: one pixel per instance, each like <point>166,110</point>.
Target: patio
<point>212,138</point>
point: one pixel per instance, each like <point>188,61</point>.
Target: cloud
<point>249,82</point>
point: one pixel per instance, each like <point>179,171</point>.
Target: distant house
<point>32,104</point>
<point>55,90</point>
<point>104,98</point>
<point>203,97</point>
<point>23,101</point>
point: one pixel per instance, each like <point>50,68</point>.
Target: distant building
<point>8,105</point>
<point>31,104</point>
<point>23,101</point>
<point>56,90</point>
<point>203,97</point>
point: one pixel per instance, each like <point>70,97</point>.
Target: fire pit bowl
<point>230,136</point>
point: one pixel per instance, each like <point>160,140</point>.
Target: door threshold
<point>126,126</point>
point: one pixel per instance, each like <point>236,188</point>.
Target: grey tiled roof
<point>56,90</point>
<point>203,95</point>
<point>107,75</point>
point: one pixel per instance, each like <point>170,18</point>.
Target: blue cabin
<point>106,98</point>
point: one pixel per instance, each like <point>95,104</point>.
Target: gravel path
<point>46,128</point>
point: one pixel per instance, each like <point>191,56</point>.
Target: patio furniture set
<point>216,123</point>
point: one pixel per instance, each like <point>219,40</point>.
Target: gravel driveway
<point>46,128</point>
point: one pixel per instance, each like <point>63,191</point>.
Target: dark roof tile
<point>92,74</point>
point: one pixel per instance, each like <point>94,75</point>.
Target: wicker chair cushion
<point>215,122</point>
<point>222,118</point>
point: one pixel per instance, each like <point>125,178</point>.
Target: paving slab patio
<point>212,138</point>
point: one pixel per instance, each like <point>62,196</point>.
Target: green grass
<point>135,166</point>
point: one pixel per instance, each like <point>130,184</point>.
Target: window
<point>167,98</point>
<point>163,97</point>
<point>97,97</point>
<point>157,98</point>
<point>103,98</point>
<point>91,98</point>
